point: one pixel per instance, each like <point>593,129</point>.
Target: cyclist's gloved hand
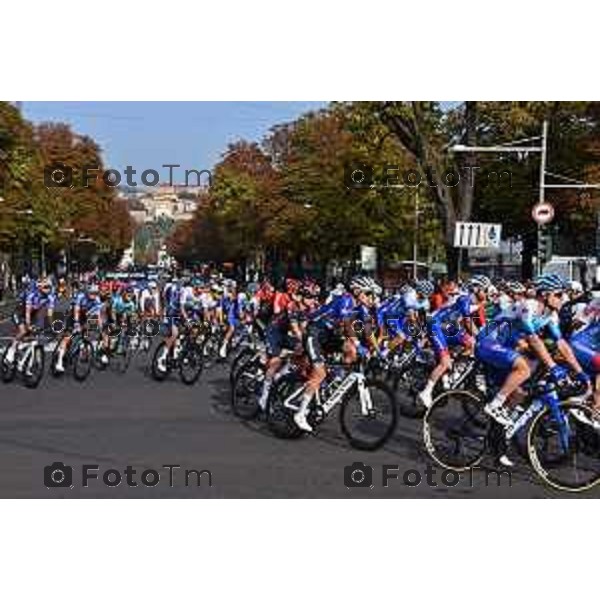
<point>558,374</point>
<point>583,378</point>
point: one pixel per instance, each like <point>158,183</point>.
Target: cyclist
<point>36,303</point>
<point>84,305</point>
<point>172,303</point>
<point>284,330</point>
<point>454,325</point>
<point>229,313</point>
<point>337,324</point>
<point>505,345</point>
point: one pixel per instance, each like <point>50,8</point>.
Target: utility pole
<point>542,195</point>
<point>416,236</point>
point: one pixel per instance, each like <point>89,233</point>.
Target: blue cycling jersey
<point>37,300</point>
<point>334,312</point>
<point>89,306</point>
<point>173,299</point>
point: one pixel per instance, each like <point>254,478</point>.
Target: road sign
<point>477,235</point>
<point>368,258</point>
<point>542,213</point>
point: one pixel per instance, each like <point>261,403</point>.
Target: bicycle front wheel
<point>456,430</point>
<point>566,454</point>
<point>34,371</point>
<point>82,360</point>
<point>371,428</point>
<point>191,363</point>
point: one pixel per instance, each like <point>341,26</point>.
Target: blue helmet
<point>550,282</point>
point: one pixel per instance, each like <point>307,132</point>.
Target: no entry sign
<point>542,213</point>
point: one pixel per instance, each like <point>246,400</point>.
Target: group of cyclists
<point>512,328</point>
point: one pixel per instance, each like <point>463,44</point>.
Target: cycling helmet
<point>575,286</point>
<point>515,287</point>
<point>480,281</point>
<point>424,287</point>
<point>93,289</point>
<point>549,283</point>
<point>361,283</point>
<point>406,289</point>
<point>292,286</point>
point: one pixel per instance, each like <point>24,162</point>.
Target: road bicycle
<point>78,358</point>
<point>187,356</point>
<point>367,408</point>
<point>560,433</point>
<point>28,361</point>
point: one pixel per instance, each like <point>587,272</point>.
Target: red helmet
<point>292,286</point>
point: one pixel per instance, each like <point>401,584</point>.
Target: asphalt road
<point>115,421</point>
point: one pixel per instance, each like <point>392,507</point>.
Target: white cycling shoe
<point>498,413</point>
<point>425,398</point>
<point>59,368</point>
<point>301,422</point>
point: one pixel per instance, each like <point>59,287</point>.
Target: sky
<point>146,135</point>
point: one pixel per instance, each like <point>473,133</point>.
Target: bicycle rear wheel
<point>567,456</point>
<point>372,430</point>
<point>455,430</point>
<point>280,419</point>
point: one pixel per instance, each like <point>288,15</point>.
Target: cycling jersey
<point>123,307</point>
<point>497,342</point>
<point>86,306</point>
<point>444,326</point>
<point>37,302</point>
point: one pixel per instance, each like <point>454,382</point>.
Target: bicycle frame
<point>551,400</point>
<point>345,386</point>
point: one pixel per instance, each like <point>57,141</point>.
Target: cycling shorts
<point>493,354</point>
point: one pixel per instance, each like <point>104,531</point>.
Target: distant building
<point>178,203</point>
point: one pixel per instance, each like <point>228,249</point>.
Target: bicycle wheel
<point>239,362</point>
<point>246,390</point>
<point>566,456</point>
<point>34,371</point>
<point>121,357</point>
<point>157,373</point>
<point>280,419</point>
<point>372,430</point>
<point>8,368</point>
<point>191,363</point>
<point>412,379</point>
<point>53,360</point>
<point>455,430</point>
<point>83,357</point>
